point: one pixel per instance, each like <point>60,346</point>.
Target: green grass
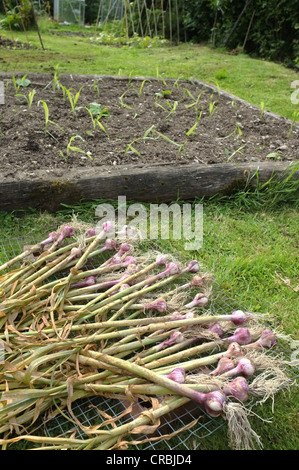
<point>254,80</point>
<point>249,238</point>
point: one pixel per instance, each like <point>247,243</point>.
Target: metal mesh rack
<point>170,435</point>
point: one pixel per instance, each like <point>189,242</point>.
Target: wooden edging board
<point>142,183</point>
<point>156,184</point>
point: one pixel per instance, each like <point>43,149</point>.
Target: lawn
<point>250,240</point>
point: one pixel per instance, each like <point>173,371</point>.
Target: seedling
<point>274,155</point>
<point>55,82</point>
<point>230,156</point>
<point>212,107</point>
<point>96,113</point>
<point>193,128</point>
<point>73,99</point>
<point>195,103</point>
<point>140,90</point>
<point>72,148</point>
<point>160,76</point>
<point>47,120</point>
<point>96,87</point>
<point>176,83</point>
<point>237,129</point>
<point>20,82</point>
<point>152,134</point>
<point>28,98</point>
<point>121,99</point>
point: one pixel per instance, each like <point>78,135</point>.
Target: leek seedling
<point>230,156</point>
<point>55,82</point>
<point>212,107</point>
<point>121,100</point>
<point>160,76</point>
<point>96,87</point>
<point>193,128</point>
<point>73,99</point>
<point>28,98</point>
<point>71,148</point>
<point>47,120</point>
<point>237,129</point>
<point>140,90</point>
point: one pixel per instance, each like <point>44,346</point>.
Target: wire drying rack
<point>170,435</point>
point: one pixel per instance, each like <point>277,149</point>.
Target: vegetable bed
<point>59,122</point>
<point>66,138</point>
<point>88,316</point>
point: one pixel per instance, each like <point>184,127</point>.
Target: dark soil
<point>6,43</point>
<point>235,133</point>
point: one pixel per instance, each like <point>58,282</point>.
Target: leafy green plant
<point>96,112</point>
<point>274,155</point>
<point>71,148</point>
<point>20,82</point>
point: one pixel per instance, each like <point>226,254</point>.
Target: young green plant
<point>73,98</point>
<point>96,112</point>
<point>20,82</point>
<point>47,120</point>
<point>28,98</point>
<point>71,148</point>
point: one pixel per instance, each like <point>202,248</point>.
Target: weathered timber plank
<point>156,184</point>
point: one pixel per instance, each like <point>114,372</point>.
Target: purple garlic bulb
<point>159,305</point>
<point>193,266</point>
<point>66,232</point>
<point>88,281</point>
<point>225,364</point>
<point>108,227</point>
<point>52,237</point>
<point>267,340</point>
<point>90,233</point>
<point>239,317</point>
<point>244,367</point>
<point>216,328</point>
<point>213,402</point>
<point>161,260</point>
<point>241,336</point>
<point>237,388</point>
<point>175,338</point>
<point>200,300</point>
<point>110,245</point>
<point>197,281</point>
<point>177,375</point>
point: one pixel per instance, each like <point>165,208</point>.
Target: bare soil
<point>158,114</point>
